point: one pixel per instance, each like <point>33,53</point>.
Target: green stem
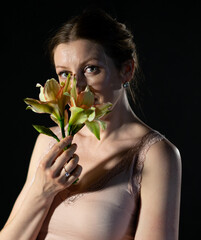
<point>62,128</point>
<point>58,140</point>
<point>68,130</point>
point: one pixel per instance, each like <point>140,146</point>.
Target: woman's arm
<point>39,147</point>
<point>160,194</point>
<point>44,181</point>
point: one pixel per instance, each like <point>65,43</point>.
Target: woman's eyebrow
<point>92,58</point>
<point>83,63</point>
<point>59,66</point>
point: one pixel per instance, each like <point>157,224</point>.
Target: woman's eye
<point>63,74</point>
<point>91,69</point>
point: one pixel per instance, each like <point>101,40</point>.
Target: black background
<point>168,40</point>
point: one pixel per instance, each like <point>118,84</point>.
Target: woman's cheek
<point>97,82</point>
<point>104,81</point>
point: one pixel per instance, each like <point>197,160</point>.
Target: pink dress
<point>108,210</point>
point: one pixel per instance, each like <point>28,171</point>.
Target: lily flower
<point>84,111</point>
<point>53,99</point>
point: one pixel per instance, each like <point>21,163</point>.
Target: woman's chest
<point>103,214</point>
<point>98,166</point>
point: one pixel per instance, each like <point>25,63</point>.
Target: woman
<point>129,181</point>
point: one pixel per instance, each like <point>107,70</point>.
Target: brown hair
<point>98,26</point>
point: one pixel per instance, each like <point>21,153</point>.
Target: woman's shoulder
<point>162,155</point>
<point>156,142</point>
<point>164,149</point>
<point>42,145</point>
<point>44,140</point>
<point>156,147</point>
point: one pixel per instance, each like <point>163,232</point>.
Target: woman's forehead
<point>78,51</point>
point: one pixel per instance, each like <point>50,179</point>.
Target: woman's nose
<point>81,82</point>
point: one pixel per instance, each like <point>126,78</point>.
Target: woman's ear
<point>127,70</point>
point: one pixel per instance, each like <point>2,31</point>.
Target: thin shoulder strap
<point>138,162</point>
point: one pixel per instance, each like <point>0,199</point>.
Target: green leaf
<point>103,124</point>
<point>103,109</point>
<point>46,131</point>
<point>73,129</point>
<point>67,94</point>
<point>92,114</point>
<point>94,128</point>
<point>78,116</point>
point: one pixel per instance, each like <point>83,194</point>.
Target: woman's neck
<point>120,116</point>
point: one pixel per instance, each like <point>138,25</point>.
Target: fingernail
<point>68,139</point>
<point>74,145</point>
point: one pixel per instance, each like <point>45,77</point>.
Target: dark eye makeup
<point>63,74</point>
<point>89,69</point>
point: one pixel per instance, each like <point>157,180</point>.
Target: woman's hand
<point>43,183</point>
<point>51,176</point>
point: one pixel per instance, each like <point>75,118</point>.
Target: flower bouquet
<point>54,98</point>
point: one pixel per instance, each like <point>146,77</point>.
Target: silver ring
<point>67,174</point>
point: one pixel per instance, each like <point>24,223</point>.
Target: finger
<point>67,180</point>
<point>56,150</point>
<point>72,164</point>
<point>63,159</point>
<point>74,175</point>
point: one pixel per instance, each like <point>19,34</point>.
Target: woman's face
<point>91,66</point>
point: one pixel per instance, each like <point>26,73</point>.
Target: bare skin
<point>161,180</point>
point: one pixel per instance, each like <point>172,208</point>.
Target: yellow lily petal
<point>65,117</point>
<point>51,89</point>
<point>38,106</point>
<point>72,102</point>
<point>55,119</point>
<point>73,91</point>
<point>85,99</point>
<point>67,83</point>
<point>41,95</point>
